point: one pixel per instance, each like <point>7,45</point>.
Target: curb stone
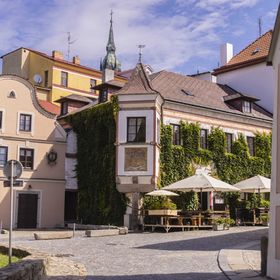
<point>233,264</point>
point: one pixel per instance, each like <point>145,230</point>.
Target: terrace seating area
<point>190,220</point>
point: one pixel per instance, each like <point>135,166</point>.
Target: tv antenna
<point>260,26</point>
<point>140,47</point>
<point>69,43</point>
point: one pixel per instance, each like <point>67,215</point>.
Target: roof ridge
<point>269,31</point>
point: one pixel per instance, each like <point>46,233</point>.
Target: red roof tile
<point>256,52</point>
<point>49,107</point>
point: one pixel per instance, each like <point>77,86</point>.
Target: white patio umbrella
<point>201,183</point>
<point>162,193</point>
<point>256,184</point>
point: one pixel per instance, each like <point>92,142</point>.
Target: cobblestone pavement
<point>147,256</point>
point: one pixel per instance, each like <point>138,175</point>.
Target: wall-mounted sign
<point>135,159</point>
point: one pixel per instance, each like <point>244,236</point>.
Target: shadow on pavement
<point>173,276</point>
<point>210,243</point>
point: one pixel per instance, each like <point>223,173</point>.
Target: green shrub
<point>158,202</point>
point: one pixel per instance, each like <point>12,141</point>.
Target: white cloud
<point>173,34</point>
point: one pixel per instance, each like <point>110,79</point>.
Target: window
<point>203,138</point>
<point>103,95</point>
<point>46,78</point>
<point>92,84</point>
<point>246,107</point>
<point>136,129</point>
<point>176,134</point>
<point>26,157</point>
<point>64,108</point>
<point>3,155</point>
<point>229,142</point>
<point>1,119</point>
<point>25,122</point>
<point>251,145</point>
<point>64,79</point>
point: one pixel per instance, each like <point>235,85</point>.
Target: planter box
<point>163,212</point>
<point>218,227</point>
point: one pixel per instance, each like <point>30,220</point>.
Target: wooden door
<point>27,210</point>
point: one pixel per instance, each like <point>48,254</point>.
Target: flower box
<point>163,212</point>
<point>218,227</point>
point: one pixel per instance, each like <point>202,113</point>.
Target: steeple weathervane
<point>110,61</point>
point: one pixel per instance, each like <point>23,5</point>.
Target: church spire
<point>110,61</point>
<point>111,43</point>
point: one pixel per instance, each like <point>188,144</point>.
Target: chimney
<point>76,59</point>
<point>226,53</point>
<point>57,54</point>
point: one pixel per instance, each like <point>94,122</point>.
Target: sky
<point>179,35</point>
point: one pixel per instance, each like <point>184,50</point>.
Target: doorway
<point>27,210</point>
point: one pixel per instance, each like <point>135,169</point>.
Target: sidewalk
<point>241,263</point>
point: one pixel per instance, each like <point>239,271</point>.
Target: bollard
<point>264,247</point>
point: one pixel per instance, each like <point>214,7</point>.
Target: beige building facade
<point>30,134</point>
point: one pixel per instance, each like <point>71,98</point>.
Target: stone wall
<point>32,266</point>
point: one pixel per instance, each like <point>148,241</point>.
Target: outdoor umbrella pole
<point>200,198</point>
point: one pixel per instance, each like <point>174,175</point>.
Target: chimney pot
<point>76,59</point>
<point>57,54</point>
<point>226,53</point>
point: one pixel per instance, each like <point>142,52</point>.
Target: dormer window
<point>246,107</point>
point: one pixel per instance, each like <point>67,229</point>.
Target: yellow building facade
<point>52,76</point>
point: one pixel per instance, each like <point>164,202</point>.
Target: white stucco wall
<point>273,264</point>
<point>71,142</point>
<point>257,80</point>
<point>122,139</point>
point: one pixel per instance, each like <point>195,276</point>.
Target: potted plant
<point>160,206</point>
<point>265,220</point>
<point>218,224</point>
<point>228,222</point>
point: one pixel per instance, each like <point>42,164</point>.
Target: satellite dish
<point>37,79</point>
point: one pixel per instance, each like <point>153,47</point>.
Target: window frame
<point>229,148</point>
<point>176,137</point>
<point>30,125</point>
<point>64,80</point>
<point>136,126</point>
<point>103,95</point>
<point>6,148</point>
<point>206,139</point>
<point>251,148</point>
<point>1,119</point>
<point>245,108</point>
<point>91,86</point>
<point>32,155</point>
<point>46,78</point>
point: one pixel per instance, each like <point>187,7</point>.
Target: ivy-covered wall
<point>177,161</point>
<point>99,202</point>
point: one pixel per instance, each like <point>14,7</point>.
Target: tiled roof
<point>193,91</point>
<point>49,107</point>
<point>63,61</point>
<point>75,97</point>
<point>139,82</point>
<point>256,52</point>
<point>111,83</point>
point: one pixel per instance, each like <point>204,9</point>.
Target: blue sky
<point>180,35</point>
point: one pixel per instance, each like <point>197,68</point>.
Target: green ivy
<point>177,161</point>
<point>99,202</point>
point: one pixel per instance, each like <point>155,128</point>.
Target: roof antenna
<point>140,47</point>
<point>260,26</point>
<point>69,43</point>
